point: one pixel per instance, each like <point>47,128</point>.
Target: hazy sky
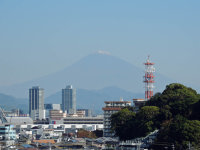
<point>39,37</point>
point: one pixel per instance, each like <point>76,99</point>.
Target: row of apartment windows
<point>106,123</point>
<point>106,130</point>
<point>107,115</point>
<point>107,126</point>
<point>128,104</point>
<point>7,132</point>
<point>109,111</point>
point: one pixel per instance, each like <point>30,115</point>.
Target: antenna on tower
<point>149,78</point>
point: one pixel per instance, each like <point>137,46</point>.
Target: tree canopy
<point>120,123</point>
<point>175,112</point>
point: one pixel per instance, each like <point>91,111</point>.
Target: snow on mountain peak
<point>103,52</point>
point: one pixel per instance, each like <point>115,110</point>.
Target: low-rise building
<point>56,114</point>
<point>19,120</point>
<point>49,107</point>
<point>87,112</point>
<point>80,113</point>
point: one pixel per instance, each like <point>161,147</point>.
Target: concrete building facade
<point>87,112</point>
<point>36,103</point>
<point>69,100</point>
<point>49,107</point>
<point>56,114</point>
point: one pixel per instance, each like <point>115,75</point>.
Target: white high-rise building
<point>36,103</point>
<point>69,100</point>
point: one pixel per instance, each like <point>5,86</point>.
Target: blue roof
<point>27,146</point>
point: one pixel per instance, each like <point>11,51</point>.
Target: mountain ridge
<point>87,99</point>
<point>94,71</point>
<point>94,99</point>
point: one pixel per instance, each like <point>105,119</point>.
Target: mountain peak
<point>95,71</point>
<point>103,52</point>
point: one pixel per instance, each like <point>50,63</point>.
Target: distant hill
<point>92,72</point>
<point>91,99</point>
<point>8,102</point>
<point>94,99</point>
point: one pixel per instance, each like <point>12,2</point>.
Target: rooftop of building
<point>36,87</point>
<point>82,118</point>
<point>19,120</point>
<point>139,99</point>
<point>117,102</point>
<point>45,141</point>
<point>111,108</point>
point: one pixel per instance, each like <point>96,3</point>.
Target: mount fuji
<point>93,72</point>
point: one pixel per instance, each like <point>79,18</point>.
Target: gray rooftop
<point>19,120</point>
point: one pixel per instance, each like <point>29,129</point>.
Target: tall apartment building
<point>69,100</point>
<point>36,103</point>
<point>110,108</point>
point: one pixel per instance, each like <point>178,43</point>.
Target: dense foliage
<point>119,123</point>
<point>175,112</point>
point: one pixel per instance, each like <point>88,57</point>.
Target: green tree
<point>195,111</point>
<point>178,97</point>
<point>127,125</point>
<point>180,131</point>
<point>175,112</point>
<point>120,123</point>
<point>145,121</point>
<point>148,112</point>
<point>178,104</point>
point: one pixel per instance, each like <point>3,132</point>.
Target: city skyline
<point>133,66</point>
<point>37,40</point>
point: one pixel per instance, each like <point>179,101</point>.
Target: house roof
<point>45,141</point>
<point>111,108</point>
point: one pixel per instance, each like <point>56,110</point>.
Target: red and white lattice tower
<point>149,79</point>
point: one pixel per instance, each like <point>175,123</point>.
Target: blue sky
<point>41,37</point>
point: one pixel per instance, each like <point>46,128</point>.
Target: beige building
<point>56,114</point>
<point>80,113</point>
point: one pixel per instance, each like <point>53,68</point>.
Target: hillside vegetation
<point>175,112</point>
